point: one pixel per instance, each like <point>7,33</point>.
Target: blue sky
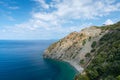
<point>53,19</point>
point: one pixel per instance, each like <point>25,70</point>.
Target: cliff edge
<point>94,52</point>
<point>74,47</point>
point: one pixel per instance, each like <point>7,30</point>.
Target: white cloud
<point>13,7</point>
<point>68,10</point>
<point>108,22</point>
<point>50,24</point>
<point>43,3</point>
<point>86,9</point>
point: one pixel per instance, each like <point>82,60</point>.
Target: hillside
<point>106,62</point>
<point>93,51</point>
<point>74,47</point>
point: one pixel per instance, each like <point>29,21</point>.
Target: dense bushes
<point>84,42</point>
<point>82,77</point>
<point>106,63</point>
<point>93,44</point>
<point>82,61</point>
<point>88,55</point>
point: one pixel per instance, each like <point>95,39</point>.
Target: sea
<point>23,60</point>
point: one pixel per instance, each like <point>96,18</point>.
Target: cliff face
<point>105,63</point>
<point>94,51</point>
<point>75,46</point>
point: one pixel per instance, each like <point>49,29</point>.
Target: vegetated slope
<point>95,49</point>
<point>75,46</point>
<point>105,64</point>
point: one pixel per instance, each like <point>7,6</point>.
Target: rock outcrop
<point>103,62</point>
<point>94,52</point>
<point>74,47</point>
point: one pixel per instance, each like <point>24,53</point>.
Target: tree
<point>110,77</point>
<point>82,61</point>
<point>118,77</point>
<point>93,74</point>
<point>82,77</point>
<point>93,44</point>
<point>88,55</point>
<point>84,42</point>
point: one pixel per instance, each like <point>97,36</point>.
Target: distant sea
<point>23,60</point>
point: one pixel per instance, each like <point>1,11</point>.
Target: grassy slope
<point>106,63</point>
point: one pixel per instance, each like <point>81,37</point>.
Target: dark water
<point>22,60</point>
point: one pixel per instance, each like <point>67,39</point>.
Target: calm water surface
<point>22,60</point>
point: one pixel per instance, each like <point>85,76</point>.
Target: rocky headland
<point>94,52</point>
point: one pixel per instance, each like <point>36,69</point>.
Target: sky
<point>53,19</point>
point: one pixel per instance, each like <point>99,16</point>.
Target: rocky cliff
<point>105,63</point>
<point>75,47</point>
<point>94,51</point>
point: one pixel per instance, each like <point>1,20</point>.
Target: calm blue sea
<point>23,60</point>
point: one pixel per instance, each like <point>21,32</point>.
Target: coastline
<point>76,66</point>
<point>66,69</point>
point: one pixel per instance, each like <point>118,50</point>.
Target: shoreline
<point>69,69</point>
<point>75,65</point>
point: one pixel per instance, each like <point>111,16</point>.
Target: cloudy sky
<point>53,19</point>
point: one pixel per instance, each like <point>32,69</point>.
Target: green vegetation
<point>106,62</point>
<point>93,44</point>
<point>88,55</point>
<point>82,77</point>
<point>81,35</point>
<point>89,38</point>
<point>112,27</point>
<point>84,42</point>
<point>82,61</point>
<point>118,77</point>
<point>93,50</point>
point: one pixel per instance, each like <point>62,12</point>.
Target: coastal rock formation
<point>94,52</point>
<point>105,63</point>
<point>75,46</point>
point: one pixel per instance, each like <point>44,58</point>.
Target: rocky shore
<point>75,47</point>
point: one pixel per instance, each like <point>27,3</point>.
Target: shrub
<point>82,77</point>
<point>88,55</point>
<point>93,44</point>
<point>93,50</point>
<point>82,61</point>
<point>84,42</point>
<point>110,78</point>
<point>89,38</point>
<point>93,74</point>
<point>118,77</point>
